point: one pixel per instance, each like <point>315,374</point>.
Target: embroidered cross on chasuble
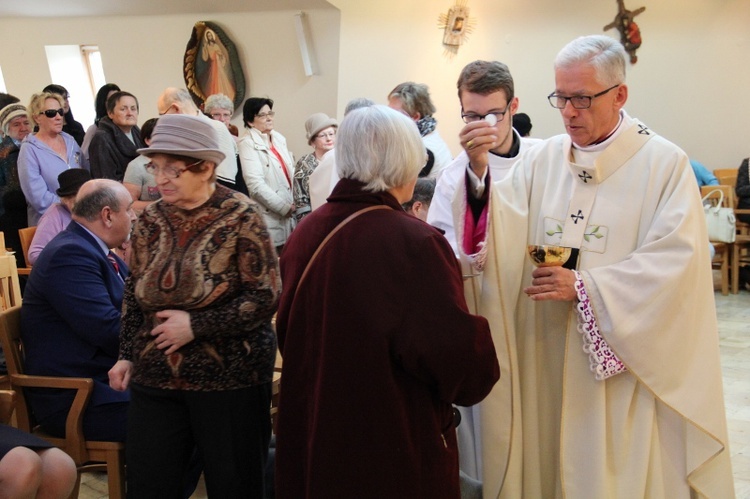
<point>576,230</point>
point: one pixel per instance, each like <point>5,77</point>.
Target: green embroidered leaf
<point>550,232</point>
<point>598,236</point>
<point>595,230</point>
<point>586,237</point>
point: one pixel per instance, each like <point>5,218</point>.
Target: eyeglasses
<point>327,135</point>
<point>166,111</point>
<point>50,113</point>
<point>170,171</point>
<point>577,101</point>
<point>263,115</point>
<point>217,116</point>
<point>473,117</point>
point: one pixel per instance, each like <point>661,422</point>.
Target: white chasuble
<point>549,428</point>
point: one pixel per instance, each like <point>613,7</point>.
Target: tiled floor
<point>734,331</point>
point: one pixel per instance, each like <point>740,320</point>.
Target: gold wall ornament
<point>456,26</point>
<point>630,33</point>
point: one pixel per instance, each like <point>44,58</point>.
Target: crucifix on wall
<point>630,33</point>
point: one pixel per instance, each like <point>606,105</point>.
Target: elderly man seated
<point>70,318</point>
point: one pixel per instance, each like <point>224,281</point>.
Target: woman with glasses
<point>320,131</point>
<point>196,344</point>
<point>268,168</point>
<point>219,107</point>
<point>45,154</point>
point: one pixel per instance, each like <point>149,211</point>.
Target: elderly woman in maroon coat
<point>375,334</point>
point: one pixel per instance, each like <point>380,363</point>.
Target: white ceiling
<point>82,8</point>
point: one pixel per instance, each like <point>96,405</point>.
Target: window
<point>78,69</point>
<point>2,82</point>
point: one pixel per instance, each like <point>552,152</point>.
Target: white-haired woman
<point>375,333</point>
<point>219,107</point>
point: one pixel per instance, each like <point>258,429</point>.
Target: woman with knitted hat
<point>320,131</point>
<point>196,344</point>
<point>15,126</point>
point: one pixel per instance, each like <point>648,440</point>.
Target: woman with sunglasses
<point>45,154</point>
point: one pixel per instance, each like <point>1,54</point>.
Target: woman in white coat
<point>268,169</point>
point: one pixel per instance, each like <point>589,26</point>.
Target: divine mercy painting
<point>212,65</point>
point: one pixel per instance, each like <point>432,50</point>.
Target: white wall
<point>690,84</point>
<point>144,54</point>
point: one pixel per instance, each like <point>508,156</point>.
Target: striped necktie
<point>113,261</point>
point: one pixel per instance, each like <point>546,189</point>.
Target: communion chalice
<point>545,255</point>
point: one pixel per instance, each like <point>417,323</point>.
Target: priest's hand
<point>174,332</point>
<point>552,283</point>
<point>477,138</point>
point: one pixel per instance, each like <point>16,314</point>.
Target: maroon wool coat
<point>377,345</point>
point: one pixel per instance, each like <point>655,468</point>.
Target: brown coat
<point>377,345</point>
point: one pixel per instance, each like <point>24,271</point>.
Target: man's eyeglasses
<point>218,116</point>
<point>50,113</point>
<point>577,101</point>
<point>473,117</point>
<point>169,171</point>
<point>264,115</point>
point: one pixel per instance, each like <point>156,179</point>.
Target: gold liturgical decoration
<point>630,33</point>
<point>456,25</point>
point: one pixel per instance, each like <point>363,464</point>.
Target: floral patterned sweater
<point>218,263</point>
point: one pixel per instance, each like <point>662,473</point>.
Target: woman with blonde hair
<point>45,154</point>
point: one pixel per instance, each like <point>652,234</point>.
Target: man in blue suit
<point>70,317</point>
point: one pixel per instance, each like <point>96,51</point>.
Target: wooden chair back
<point>26,235</point>
<point>7,405</point>
<point>10,289</point>
<point>725,172</point>
<point>88,455</point>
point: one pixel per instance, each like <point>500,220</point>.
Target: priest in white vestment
<point>611,384</point>
<point>486,92</point>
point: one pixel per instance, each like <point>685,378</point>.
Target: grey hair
<point>91,205</point>
<point>218,101</point>
<point>414,97</point>
<point>605,54</point>
<point>380,147</point>
<point>357,103</point>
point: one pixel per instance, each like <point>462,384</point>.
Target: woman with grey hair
<point>413,99</point>
<point>376,336</point>
<point>219,107</point>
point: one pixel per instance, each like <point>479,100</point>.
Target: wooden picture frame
<point>212,65</point>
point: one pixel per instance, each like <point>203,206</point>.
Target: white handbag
<point>720,221</point>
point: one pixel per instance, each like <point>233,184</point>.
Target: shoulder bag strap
<point>330,235</point>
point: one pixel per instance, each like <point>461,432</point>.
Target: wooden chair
<point>722,258</point>
<point>740,255</point>
<point>26,235</point>
<point>726,173</point>
<point>88,455</point>
<point>7,405</point>
<point>10,289</point>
